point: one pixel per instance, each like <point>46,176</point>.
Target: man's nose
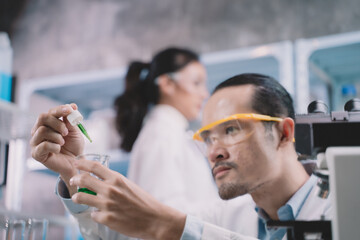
<point>217,152</point>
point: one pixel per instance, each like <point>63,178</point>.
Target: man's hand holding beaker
<point>123,206</point>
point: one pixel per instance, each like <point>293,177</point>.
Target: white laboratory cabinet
<point>275,60</point>
<point>328,69</point>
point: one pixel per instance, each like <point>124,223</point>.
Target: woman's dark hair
<point>141,91</point>
<point>270,97</point>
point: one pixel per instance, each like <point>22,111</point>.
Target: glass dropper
<point>75,118</point>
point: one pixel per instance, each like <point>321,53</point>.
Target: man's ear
<point>166,85</point>
<point>287,131</point>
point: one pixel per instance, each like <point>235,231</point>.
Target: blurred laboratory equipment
<point>331,140</point>
<point>327,68</point>
<point>15,128</point>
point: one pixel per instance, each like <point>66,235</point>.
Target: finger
<point>41,151</point>
<point>102,217</point>
<point>94,167</point>
<point>52,122</point>
<point>117,223</point>
<point>85,180</point>
<point>46,134</point>
<point>70,106</point>
<point>88,199</point>
<point>74,106</point>
<point>53,114</point>
<point>98,216</point>
<point>62,110</point>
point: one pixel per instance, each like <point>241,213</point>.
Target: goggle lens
<point>225,134</point>
<point>230,130</point>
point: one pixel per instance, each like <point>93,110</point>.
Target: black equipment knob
<point>317,106</point>
<point>352,105</point>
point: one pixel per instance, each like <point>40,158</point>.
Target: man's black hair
<point>270,97</point>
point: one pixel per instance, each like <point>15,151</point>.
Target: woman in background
<point>153,114</point>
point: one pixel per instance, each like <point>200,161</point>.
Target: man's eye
<point>204,136</point>
<point>231,130</point>
<point>207,140</point>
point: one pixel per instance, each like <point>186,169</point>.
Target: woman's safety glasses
<point>230,130</point>
<point>191,84</point>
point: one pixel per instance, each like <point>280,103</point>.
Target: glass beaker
<point>101,158</point>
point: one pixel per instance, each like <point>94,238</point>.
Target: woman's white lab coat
<point>166,162</point>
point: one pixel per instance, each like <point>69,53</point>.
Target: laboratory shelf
<point>15,127</point>
<point>327,68</point>
<point>14,122</point>
<point>275,60</point>
<point>96,90</point>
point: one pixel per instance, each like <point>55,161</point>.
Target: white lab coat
<point>234,219</point>
<point>237,215</point>
<point>313,209</point>
<point>166,163</point>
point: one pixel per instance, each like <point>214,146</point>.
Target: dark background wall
<point>53,37</point>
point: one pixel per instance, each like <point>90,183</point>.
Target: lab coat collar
<point>292,208</point>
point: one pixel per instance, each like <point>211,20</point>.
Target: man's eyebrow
<point>228,122</point>
<point>205,133</point>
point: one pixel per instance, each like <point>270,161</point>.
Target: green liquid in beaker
<point>85,190</point>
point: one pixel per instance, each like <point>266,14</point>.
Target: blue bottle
<point>348,92</point>
<point>6,56</point>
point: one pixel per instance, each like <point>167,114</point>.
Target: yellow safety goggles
<point>231,129</point>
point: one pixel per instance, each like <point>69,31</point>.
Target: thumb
<point>66,121</point>
<point>73,105</point>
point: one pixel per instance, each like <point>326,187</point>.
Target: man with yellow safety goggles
<point>230,130</point>
<point>248,137</point>
<point>248,132</point>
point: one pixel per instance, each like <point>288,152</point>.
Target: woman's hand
<point>123,206</point>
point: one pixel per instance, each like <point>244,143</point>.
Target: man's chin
<point>229,191</point>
